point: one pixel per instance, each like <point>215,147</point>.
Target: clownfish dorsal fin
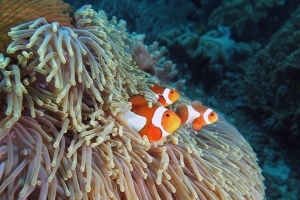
<point>138,100</point>
<point>157,89</point>
<point>197,105</point>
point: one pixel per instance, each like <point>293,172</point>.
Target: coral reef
<point>192,48</point>
<point>271,84</point>
<point>242,16</point>
<point>202,59</point>
<point>151,58</point>
<point>183,45</point>
<point>218,46</point>
<point>145,16</point>
<point>62,134</point>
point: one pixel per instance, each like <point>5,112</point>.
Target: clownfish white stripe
<point>205,115</point>
<point>136,122</point>
<point>166,96</point>
<point>192,113</point>
<point>156,120</point>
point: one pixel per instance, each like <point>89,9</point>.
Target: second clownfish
<point>156,122</point>
<point>196,114</point>
<point>164,95</point>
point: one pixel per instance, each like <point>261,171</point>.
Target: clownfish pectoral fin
<point>197,123</point>
<point>197,127</point>
<point>162,101</point>
<point>154,133</point>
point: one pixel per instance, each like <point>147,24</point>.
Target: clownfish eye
<point>172,92</point>
<point>212,114</point>
<point>167,115</point>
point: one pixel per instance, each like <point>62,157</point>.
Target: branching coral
<point>62,134</point>
<point>151,58</point>
<point>217,45</point>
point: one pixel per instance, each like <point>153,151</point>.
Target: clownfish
<point>164,95</point>
<point>156,122</point>
<point>196,114</point>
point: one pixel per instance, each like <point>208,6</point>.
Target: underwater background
<point>240,57</point>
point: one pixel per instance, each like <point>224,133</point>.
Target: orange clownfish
<point>196,114</point>
<point>164,95</point>
<point>156,122</point>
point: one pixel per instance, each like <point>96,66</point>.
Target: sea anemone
<point>15,12</point>
<point>62,134</point>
